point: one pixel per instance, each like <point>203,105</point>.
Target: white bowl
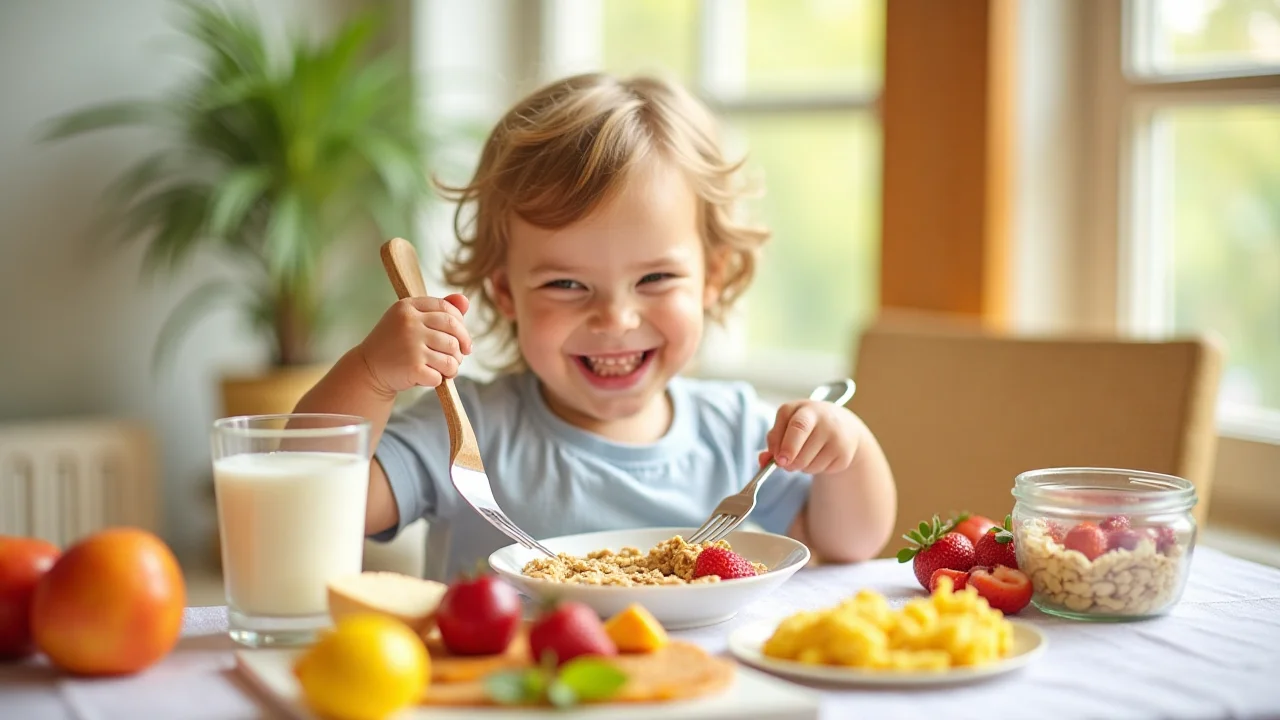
<point>675,606</point>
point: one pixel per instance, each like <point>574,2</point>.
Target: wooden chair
<point>960,411</point>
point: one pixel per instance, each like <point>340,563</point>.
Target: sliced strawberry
<point>958,579</point>
<point>1005,589</point>
<point>936,546</point>
<point>1087,539</point>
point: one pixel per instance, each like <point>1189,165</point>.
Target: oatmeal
<point>670,562</point>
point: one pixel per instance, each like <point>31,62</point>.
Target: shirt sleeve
<point>414,454</point>
<point>785,493</point>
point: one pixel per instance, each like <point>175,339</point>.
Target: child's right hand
<point>417,342</point>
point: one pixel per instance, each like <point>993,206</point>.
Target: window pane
<point>1225,213</point>
<point>814,46</point>
<point>818,277</point>
<point>651,36</point>
<point>1200,35</point>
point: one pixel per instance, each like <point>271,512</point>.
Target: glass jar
<point>1102,543</point>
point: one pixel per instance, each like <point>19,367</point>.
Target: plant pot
<point>275,391</point>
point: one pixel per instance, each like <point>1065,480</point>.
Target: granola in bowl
<point>670,562</point>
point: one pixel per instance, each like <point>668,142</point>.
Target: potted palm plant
<point>278,160</point>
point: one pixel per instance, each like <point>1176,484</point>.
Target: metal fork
<point>734,509</point>
<point>466,469</point>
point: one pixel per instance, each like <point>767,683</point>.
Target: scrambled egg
<point>947,629</point>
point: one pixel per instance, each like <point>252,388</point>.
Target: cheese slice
<point>408,599</point>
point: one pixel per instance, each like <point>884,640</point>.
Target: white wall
<point>76,323</point>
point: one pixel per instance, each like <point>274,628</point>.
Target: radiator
<point>61,480</point>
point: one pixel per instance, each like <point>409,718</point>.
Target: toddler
<point>600,240</point>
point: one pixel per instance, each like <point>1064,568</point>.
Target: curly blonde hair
<point>568,147</point>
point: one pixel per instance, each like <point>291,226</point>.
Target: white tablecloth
<point>1216,656</point>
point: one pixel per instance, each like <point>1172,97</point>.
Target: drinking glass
<point>291,494</point>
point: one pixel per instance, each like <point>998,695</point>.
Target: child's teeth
<point>615,364</point>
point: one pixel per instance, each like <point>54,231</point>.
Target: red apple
<point>23,561</point>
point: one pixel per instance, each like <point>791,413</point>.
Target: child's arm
<point>852,504</point>
<point>418,342</point>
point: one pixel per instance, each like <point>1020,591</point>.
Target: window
<point>794,83</point>
<point>1200,243</point>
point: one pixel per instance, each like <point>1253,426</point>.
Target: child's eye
<point>656,277</point>
<point>563,285</point>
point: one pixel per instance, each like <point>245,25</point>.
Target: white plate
<point>675,606</point>
<point>746,642</point>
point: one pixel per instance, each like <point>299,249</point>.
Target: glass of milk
<point>291,493</point>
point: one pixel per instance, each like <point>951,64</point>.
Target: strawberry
<point>996,547</point>
<point>973,526</point>
<point>1165,538</point>
<point>958,579</point>
<point>1005,589</point>
<point>1123,538</point>
<point>727,564</point>
<point>1113,523</point>
<point>1087,539</point>
<point>568,630</point>
<point>1056,531</point>
<point>936,546</point>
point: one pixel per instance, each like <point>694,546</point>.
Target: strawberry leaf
<point>905,554</point>
<point>917,537</point>
<point>924,527</point>
<point>591,679</point>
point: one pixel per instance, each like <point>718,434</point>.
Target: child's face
<point>608,309</point>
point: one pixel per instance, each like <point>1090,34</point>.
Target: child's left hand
<point>812,436</point>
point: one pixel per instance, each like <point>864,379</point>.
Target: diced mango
<point>635,630</point>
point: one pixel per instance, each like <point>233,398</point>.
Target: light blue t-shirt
<point>554,479</point>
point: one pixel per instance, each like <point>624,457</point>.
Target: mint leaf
<point>561,695</point>
<point>511,687</point>
<point>591,679</point>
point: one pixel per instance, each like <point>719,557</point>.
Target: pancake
<point>677,671</point>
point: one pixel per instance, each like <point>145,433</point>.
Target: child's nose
<point>614,317</point>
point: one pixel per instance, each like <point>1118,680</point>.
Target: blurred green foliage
<point>276,158</point>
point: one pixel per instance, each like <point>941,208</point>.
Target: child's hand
<point>812,436</point>
<point>418,341</point>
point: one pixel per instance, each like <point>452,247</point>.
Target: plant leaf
<point>183,315</point>
<point>283,240</point>
<point>234,196</point>
<point>592,679</point>
<point>905,554</point>
<point>109,115</point>
<point>924,529</point>
<point>916,537</point>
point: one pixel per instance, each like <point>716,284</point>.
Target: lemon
<point>367,668</point>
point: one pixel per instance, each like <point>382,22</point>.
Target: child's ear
<point>714,284</point>
<point>500,283</point>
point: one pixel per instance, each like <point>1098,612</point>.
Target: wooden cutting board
<point>750,694</point>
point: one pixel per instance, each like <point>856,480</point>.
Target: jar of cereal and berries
<point>1103,543</point>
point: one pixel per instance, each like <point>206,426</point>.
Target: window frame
<point>1117,271</point>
